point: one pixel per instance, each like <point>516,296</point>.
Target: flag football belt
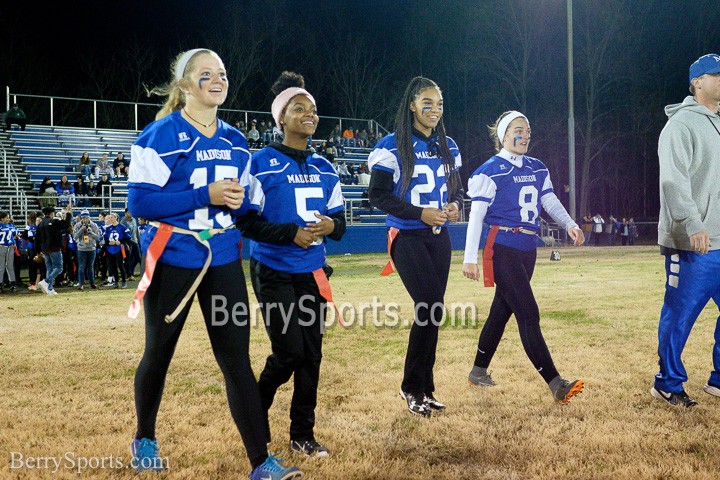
<point>155,250</point>
<point>488,272</point>
<point>517,230</point>
<point>324,287</point>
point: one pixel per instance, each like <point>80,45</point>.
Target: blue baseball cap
<point>709,63</point>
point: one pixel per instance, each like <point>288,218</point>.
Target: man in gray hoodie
<point>689,227</point>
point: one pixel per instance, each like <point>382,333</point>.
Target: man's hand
<point>700,242</point>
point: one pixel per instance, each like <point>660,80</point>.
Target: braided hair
<point>403,135</point>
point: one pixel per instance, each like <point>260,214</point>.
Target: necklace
<point>208,125</point>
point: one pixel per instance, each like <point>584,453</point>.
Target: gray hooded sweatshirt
<point>689,151</point>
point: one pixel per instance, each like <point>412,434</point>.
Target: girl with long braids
<point>295,204</point>
<point>189,176</point>
<point>508,192</point>
<point>415,180</point>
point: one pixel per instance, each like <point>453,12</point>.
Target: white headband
<point>505,123</point>
<point>181,65</point>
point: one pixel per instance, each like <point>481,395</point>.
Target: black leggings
<point>513,295</point>
<point>230,343</point>
<point>296,341</point>
<point>422,259</point>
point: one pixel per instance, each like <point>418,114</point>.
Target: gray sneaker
<point>481,380</point>
<point>567,390</point>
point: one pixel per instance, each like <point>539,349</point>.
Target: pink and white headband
<point>283,99</point>
<point>506,121</point>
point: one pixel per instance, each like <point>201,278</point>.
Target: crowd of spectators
<point>610,232</point>
<point>65,247</point>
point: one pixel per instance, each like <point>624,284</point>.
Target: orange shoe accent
<point>576,389</point>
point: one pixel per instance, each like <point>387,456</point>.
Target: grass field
<point>67,365</point>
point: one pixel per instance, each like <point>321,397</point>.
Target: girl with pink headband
<point>509,192</point>
<point>295,204</point>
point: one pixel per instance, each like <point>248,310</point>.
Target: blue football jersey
<point>171,156</point>
<point>283,191</point>
<point>7,234</point>
<point>514,195</point>
<point>428,186</point>
<point>115,233</point>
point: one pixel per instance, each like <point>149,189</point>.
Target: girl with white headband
<point>509,191</point>
<point>414,178</point>
<point>188,178</point>
<point>295,203</point>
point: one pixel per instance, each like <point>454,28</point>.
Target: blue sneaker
<point>145,455</point>
<point>272,469</point>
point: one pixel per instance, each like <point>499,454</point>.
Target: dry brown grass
<point>67,365</point>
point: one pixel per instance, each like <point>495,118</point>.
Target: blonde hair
<point>175,97</point>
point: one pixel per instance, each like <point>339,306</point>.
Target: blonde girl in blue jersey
<point>188,178</point>
<point>415,180</point>
<point>508,192</point>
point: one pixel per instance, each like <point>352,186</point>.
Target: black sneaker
<point>416,404</point>
<point>679,399</point>
<point>310,448</point>
<point>432,402</point>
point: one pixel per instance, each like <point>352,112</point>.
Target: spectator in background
<point>92,200</point>
<point>84,167</point>
<point>15,116</point>
<point>362,138</point>
<point>372,140</point>
<point>8,234</point>
<point>132,257</point>
<point>66,192</point>
<point>81,192</point>
<point>598,222</point>
<point>120,165</point>
<point>348,137</point>
<point>265,132</point>
<point>102,166</point>
<point>352,175</point>
<point>632,231</point>
<point>116,237</point>
<point>240,125</point>
<point>624,231</point>
<point>86,234</point>
<point>30,242</point>
<point>363,175</point>
<point>70,260</point>
<point>609,229</point>
<point>343,173</point>
<point>331,152</point>
<point>47,195</point>
<point>253,136</point>
<point>49,237</point>
<point>105,193</point>
<point>587,227</point>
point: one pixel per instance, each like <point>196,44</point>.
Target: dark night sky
<point>87,49</point>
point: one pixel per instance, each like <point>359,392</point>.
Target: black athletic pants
<point>230,343</point>
<point>116,262</point>
<point>513,270</point>
<point>296,339</point>
<point>422,259</point>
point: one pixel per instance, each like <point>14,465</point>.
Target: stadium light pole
<point>571,113</point>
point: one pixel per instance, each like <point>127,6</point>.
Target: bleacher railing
<point>17,203</point>
<point>118,115</point>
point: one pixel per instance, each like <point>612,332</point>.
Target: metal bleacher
<point>46,151</point>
